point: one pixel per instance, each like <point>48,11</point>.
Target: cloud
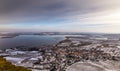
<point>77,13</point>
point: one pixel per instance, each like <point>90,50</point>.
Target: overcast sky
<point>60,16</point>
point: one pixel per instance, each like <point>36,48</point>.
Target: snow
<point>95,66</point>
<point>17,52</point>
<point>14,59</point>
<point>118,47</point>
<point>4,54</point>
<point>34,59</point>
<point>34,52</point>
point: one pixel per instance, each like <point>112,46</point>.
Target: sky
<point>101,16</point>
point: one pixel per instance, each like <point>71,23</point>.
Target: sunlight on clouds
<point>61,16</point>
<point>110,18</point>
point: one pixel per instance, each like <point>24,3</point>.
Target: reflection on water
<point>30,41</point>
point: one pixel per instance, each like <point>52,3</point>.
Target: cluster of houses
<point>64,54</point>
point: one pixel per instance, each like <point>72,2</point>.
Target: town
<point>71,50</point>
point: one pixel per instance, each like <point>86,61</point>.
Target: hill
<point>7,66</point>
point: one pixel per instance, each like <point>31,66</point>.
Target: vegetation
<point>7,66</point>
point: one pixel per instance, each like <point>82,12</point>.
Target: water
<point>30,41</point>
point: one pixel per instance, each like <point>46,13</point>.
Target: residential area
<point>65,53</point>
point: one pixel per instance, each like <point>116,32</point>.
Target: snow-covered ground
<point>14,59</point>
<point>95,66</point>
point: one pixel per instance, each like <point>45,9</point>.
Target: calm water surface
<point>30,41</point>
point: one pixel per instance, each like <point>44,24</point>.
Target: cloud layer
<point>60,15</point>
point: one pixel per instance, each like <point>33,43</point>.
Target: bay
<point>30,41</point>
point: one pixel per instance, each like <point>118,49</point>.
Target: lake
<point>30,41</point>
